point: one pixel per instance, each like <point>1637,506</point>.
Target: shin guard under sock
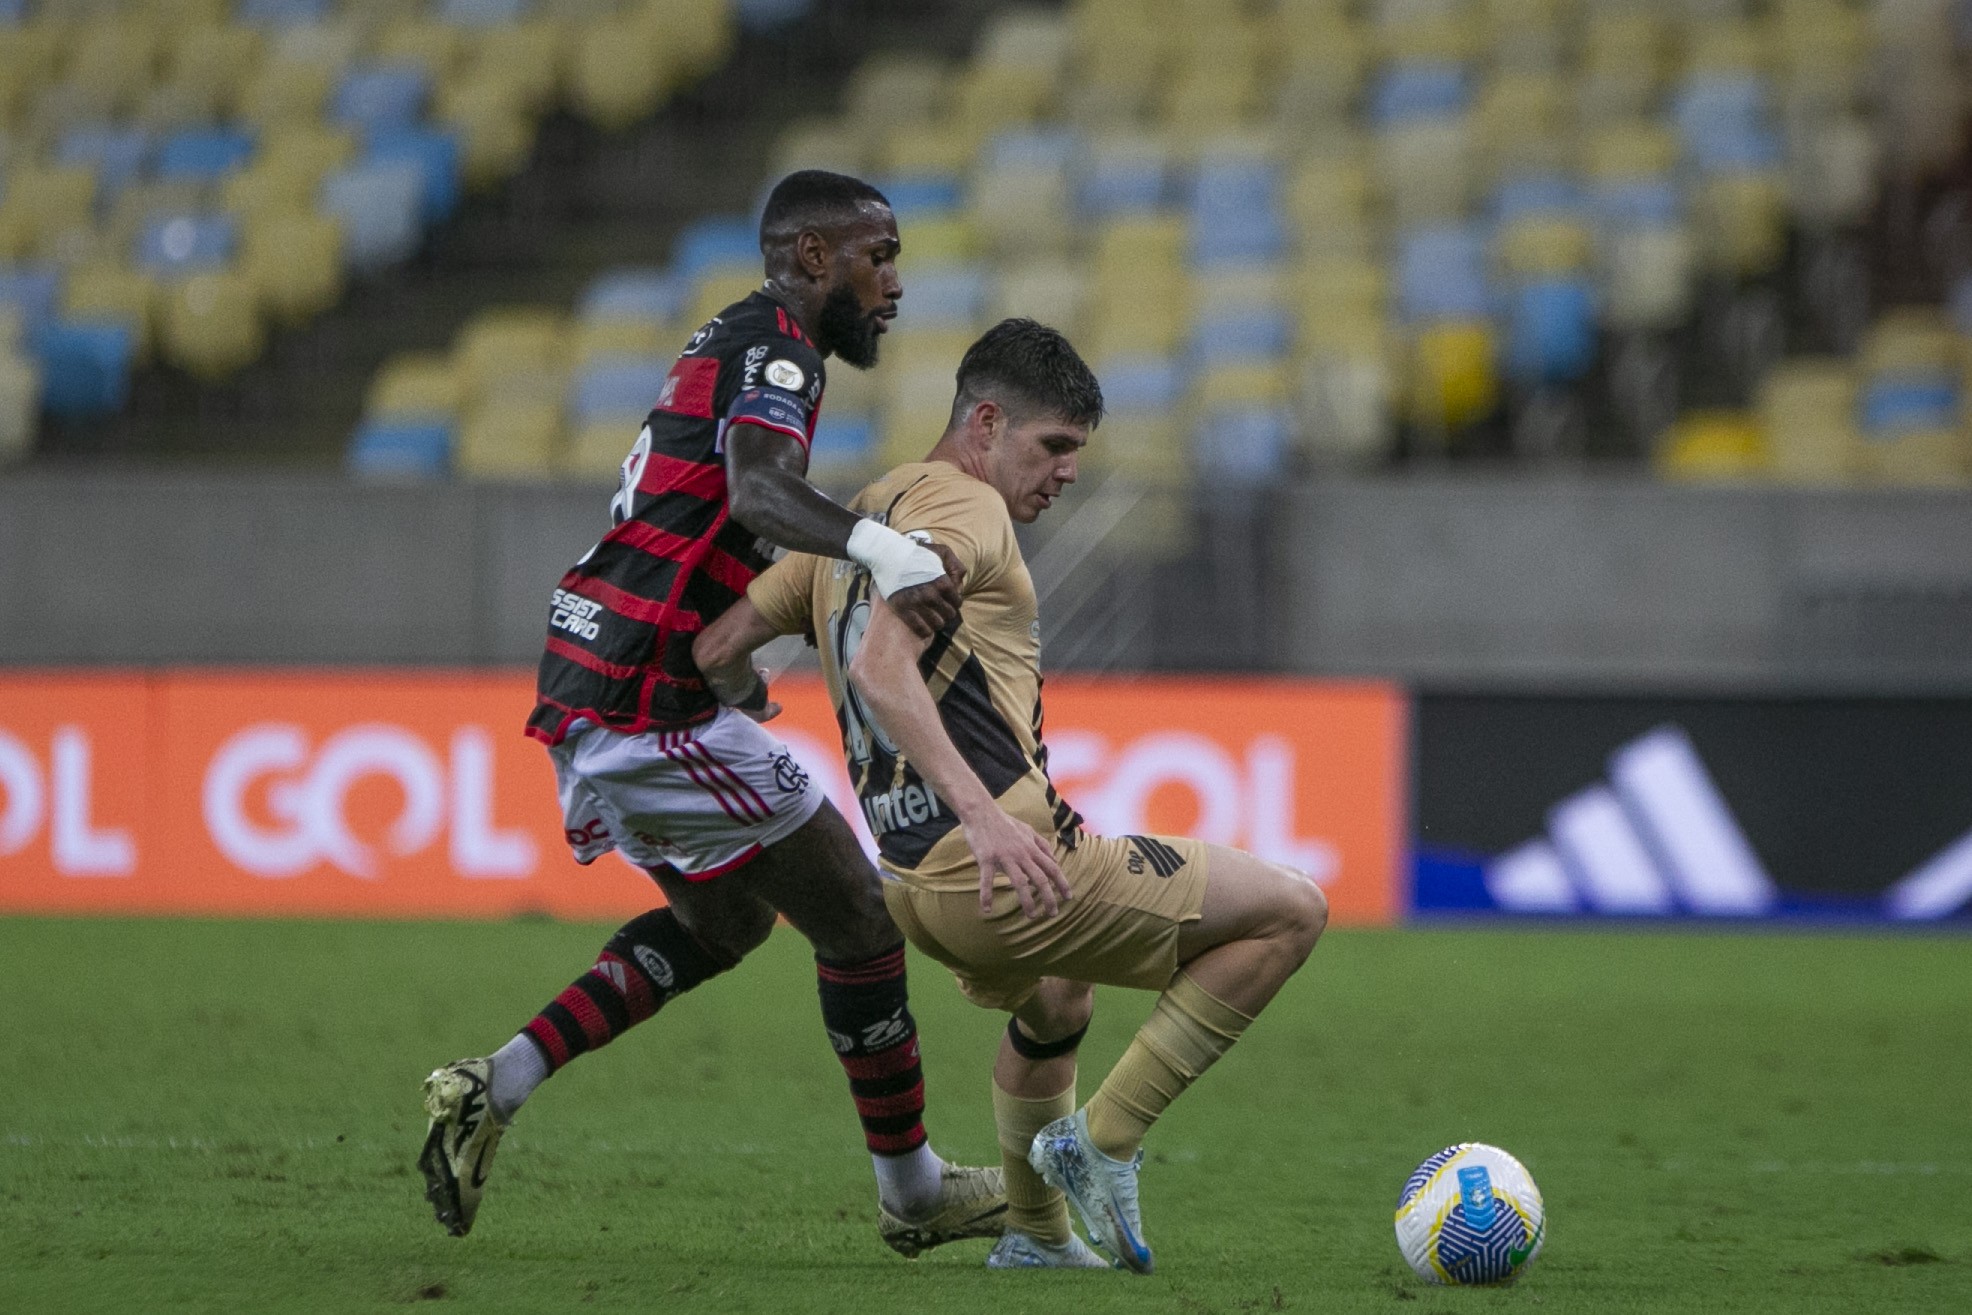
<point>648,962</point>
<point>867,1012</point>
<point>1186,1032</point>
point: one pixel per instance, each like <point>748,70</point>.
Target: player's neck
<point>954,450</point>
<point>806,310</point>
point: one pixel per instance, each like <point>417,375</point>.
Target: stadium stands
<point>178,175</point>
<point>1336,231</point>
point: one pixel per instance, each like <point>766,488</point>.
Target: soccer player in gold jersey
<point>991,872</point>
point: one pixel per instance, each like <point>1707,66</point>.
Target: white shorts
<point>703,800</point>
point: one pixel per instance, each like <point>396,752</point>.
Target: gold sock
<point>1033,1207</point>
<point>1187,1030</point>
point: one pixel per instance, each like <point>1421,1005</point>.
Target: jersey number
<point>623,505</point>
<point>860,730</point>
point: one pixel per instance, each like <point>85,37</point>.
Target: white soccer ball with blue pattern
<point>1470,1215</point>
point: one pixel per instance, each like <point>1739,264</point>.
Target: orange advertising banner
<point>414,794</point>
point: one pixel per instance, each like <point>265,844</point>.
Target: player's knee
<point>730,934</point>
<point>1304,914</point>
<point>1059,1008</point>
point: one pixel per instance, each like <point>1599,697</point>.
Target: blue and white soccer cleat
<point>459,1147</point>
<point>1019,1251</point>
<point>1104,1190</point>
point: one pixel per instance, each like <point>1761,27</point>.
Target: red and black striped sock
<point>867,1011</point>
<point>648,962</point>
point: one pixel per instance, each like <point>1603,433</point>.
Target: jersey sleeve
<point>967,517</point>
<point>776,384</point>
<point>784,594</point>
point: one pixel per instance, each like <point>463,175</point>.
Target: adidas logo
<point>1940,887</point>
<point>1656,840</point>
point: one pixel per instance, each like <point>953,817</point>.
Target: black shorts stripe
<point>1163,859</point>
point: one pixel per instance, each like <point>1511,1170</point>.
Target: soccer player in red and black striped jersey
<point>649,763</point>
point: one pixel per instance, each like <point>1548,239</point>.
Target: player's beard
<point>843,329</point>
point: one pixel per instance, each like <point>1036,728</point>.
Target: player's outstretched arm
<point>724,654</point>
<point>885,673</point>
<point>769,493</point>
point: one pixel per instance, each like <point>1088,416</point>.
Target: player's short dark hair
<point>813,198</point>
<point>1029,369</point>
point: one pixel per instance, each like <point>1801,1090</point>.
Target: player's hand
<point>1003,844</point>
<point>929,608</point>
<point>757,705</point>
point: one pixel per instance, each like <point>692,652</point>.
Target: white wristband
<point>893,561</point>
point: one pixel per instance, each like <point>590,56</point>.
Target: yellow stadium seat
<point>1139,246</point>
<point>414,384</point>
<point>721,286</point>
<point>1052,290</point>
<point>1932,458</point>
<point>496,131</point>
<point>510,350</point>
<point>1021,212</point>
<point>1143,448</point>
<point>1025,38</point>
<point>20,405</point>
<point>40,205</point>
<point>441,47</point>
<point>1807,408</point>
<point>285,93</point>
<point>1325,288</point>
<point>620,71</point>
<point>528,57</point>
<point>295,264</point>
<point>70,104</point>
<point>1454,375</point>
<point>820,143</point>
<point>1725,46</point>
<point>299,156</point>
<point>1328,192</point>
<point>592,338</point>
<point>925,148</point>
<point>1444,36</point>
<point>29,58</point>
<point>113,292</point>
<point>219,59</point>
<point>940,238</point>
<point>1322,67</point>
<point>1544,245</point>
<point>700,33</point>
<point>137,203</point>
<point>1154,321</point>
<point>894,91</point>
<point>1911,338</point>
<point>855,392</point>
<point>1630,149</point>
<point>989,97</point>
<point>329,46</point>
<point>1742,222</point>
<point>1715,445</point>
<point>1201,102</point>
<point>257,192</point>
<point>172,105</point>
<point>211,325</point>
<point>1347,400</point>
<point>1525,122</point>
<point>1425,169</point>
<point>1240,384</point>
<point>121,56</point>
<point>1649,277</point>
<point>596,450</point>
<point>513,438</point>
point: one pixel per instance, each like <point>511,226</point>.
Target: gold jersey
<point>984,674</point>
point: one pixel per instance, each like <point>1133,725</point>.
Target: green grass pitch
<point>223,1116</point>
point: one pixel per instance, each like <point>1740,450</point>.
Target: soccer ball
<point>1470,1214</point>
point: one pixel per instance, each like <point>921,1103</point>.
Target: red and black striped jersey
<point>621,623</point>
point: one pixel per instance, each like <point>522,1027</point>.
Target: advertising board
<point>414,794</point>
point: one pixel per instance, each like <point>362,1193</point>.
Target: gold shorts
<point>1131,895</point>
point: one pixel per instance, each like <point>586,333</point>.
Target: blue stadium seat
<point>282,13</point>
<point>946,296</point>
<point>1907,402</point>
<point>1241,334</point>
<point>374,97</point>
<point>1637,203</point>
<point>1723,122</point>
<point>379,206</point>
<point>921,195</point>
<point>177,244</point>
<point>435,152</point>
<point>633,294</point>
<point>118,154</point>
<point>1418,89</point>
<point>1551,331</point>
<point>1441,274</point>
<point>720,240</point>
<point>12,12</point>
<point>1235,210</point>
<point>1031,148</point>
<point>30,291</point>
<point>1141,383</point>
<point>399,449</point>
<point>616,388</point>
<point>85,366</point>
<point>483,13</point>
<point>766,15</point>
<point>1242,445</point>
<point>1122,181</point>
<point>842,440</point>
<point>1238,238</point>
<point>203,155</point>
<point>1526,195</point>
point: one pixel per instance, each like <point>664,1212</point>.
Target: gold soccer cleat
<point>972,1202</point>
<point>459,1148</point>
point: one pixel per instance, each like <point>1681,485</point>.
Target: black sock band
<point>1028,1048</point>
<point>867,1011</point>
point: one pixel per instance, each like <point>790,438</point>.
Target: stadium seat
<point>437,46</point>
<point>634,294</point>
<point>918,197</point>
<point>1441,274</point>
<point>724,240</point>
<point>526,58</point>
<point>172,245</point>
<point>1551,331</point>
<point>1141,383</point>
<point>41,205</point>
<point>1454,375</point>
<point>512,438</point>
<point>85,366</point>
<point>435,153</point>
<point>1123,173</point>
<point>1051,289</point>
<point>203,155</point>
<point>117,155</point>
<point>285,94</point>
<point>401,449</point>
<point>944,296</point>
<point>1807,409</point>
<point>618,72</point>
<point>719,287</point>
<point>1715,445</point>
<point>1244,426</point>
<point>414,386</point>
<point>371,98</point>
<point>211,324</point>
<point>648,340</point>
<point>1022,208</point>
<point>113,293</point>
<point>28,295</point>
<point>20,404</point>
<point>378,206</point>
<point>845,446</point>
<point>295,263</point>
<point>616,388</point>
<point>510,351</point>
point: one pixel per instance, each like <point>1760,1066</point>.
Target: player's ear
<point>813,253</point>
